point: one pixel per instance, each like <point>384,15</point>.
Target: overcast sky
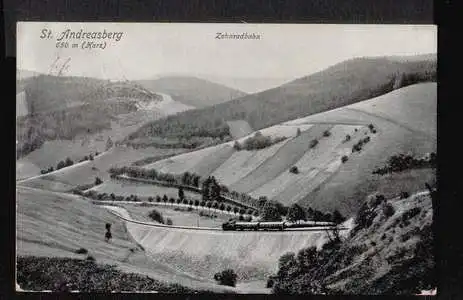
<point>283,52</point>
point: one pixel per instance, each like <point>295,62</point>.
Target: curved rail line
<point>114,210</point>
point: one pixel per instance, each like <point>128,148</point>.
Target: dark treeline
<point>66,163</point>
<point>402,162</point>
<point>275,211</point>
<point>257,142</point>
<point>345,83</point>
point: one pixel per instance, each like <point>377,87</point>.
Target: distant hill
<point>342,84</point>
<point>191,90</point>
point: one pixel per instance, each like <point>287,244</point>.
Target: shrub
<point>326,133</point>
<point>404,195</point>
<point>294,170</point>
<point>271,212</point>
<point>69,162</point>
<point>344,158</point>
<point>237,146</point>
<point>98,181</point>
<point>313,143</point>
<point>270,283</point>
<point>337,217</point>
<point>410,213</point>
<point>347,138</point>
<point>388,210</point>
<point>60,165</point>
<point>90,258</point>
<point>169,221</point>
<point>81,251</point>
<point>227,277</point>
<point>296,213</point>
<point>156,216</point>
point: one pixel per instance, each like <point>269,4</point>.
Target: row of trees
<point>165,199</point>
<point>275,211</point>
<point>137,172</point>
<point>402,162</point>
<point>66,163</point>
<point>358,146</point>
<point>211,189</point>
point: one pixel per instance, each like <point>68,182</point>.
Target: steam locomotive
<point>233,225</point>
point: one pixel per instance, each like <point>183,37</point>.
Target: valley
<point>168,162</point>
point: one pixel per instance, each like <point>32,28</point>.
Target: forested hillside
<point>62,107</point>
<point>342,84</point>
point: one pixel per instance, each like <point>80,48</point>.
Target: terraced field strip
<point>284,158</point>
<point>328,161</point>
<point>313,160</point>
<point>86,172</point>
<point>208,164</point>
<point>181,163</point>
<point>243,162</point>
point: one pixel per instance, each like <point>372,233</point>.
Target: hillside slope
<point>342,84</point>
<point>192,91</point>
<point>389,251</point>
<point>402,121</point>
<point>56,225</point>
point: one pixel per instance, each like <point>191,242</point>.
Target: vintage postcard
<point>226,158</point>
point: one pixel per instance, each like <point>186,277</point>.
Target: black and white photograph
<point>226,158</point>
